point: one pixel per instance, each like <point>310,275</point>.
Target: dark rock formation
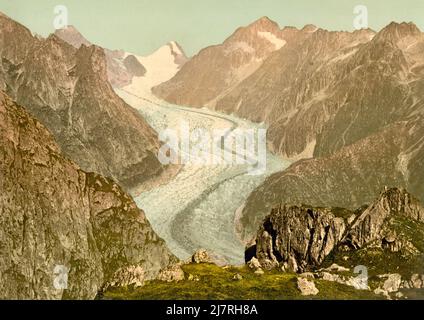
<point>298,236</point>
<point>54,214</point>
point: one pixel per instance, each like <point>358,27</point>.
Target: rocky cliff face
<point>67,89</point>
<point>300,238</point>
<point>52,213</point>
<point>217,69</point>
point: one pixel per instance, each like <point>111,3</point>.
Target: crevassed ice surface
<point>197,208</point>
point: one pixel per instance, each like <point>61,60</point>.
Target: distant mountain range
<point>216,70</point>
<point>125,68</point>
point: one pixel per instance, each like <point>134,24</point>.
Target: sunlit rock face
<point>53,214</point>
<point>215,70</point>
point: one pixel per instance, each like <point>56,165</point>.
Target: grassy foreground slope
<point>216,283</point>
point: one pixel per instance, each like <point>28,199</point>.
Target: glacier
<point>197,209</point>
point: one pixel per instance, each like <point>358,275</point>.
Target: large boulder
<point>173,273</point>
<point>306,287</point>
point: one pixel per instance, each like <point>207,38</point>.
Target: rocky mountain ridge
<point>68,90</point>
<point>122,66</point>
<point>376,248</point>
<point>53,214</point>
<point>217,69</point>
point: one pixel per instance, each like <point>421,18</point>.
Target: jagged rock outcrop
<point>67,89</point>
<point>52,214</point>
<point>299,238</point>
<point>371,224</point>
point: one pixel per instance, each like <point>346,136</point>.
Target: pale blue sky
<point>141,26</point>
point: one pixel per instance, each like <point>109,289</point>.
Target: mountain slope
<point>333,89</point>
<point>299,88</point>
<point>67,89</point>
<point>349,178</point>
<point>54,214</point>
<point>218,68</point>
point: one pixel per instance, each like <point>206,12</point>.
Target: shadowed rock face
<point>299,238</point>
<point>53,213</point>
<point>67,89</point>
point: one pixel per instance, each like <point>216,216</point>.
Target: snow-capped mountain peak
<point>130,71</point>
<point>160,66</point>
